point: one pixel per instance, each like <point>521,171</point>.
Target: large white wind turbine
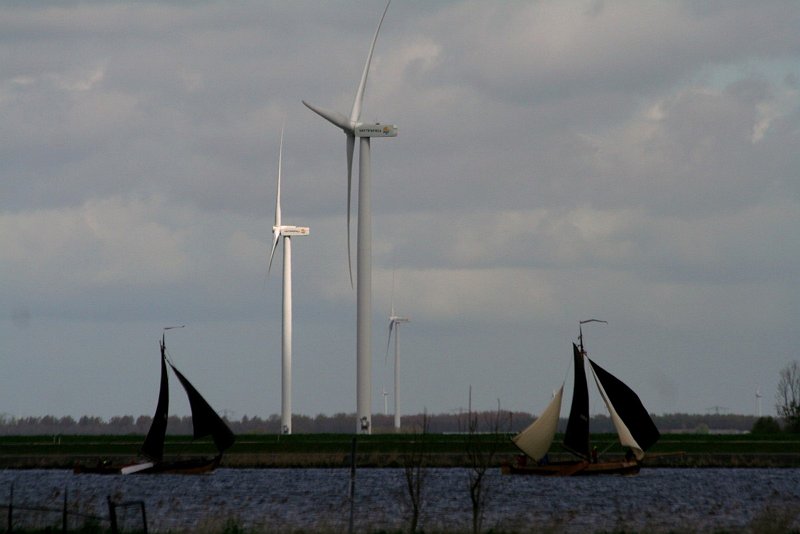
<point>394,325</point>
<point>279,230</point>
<point>353,127</point>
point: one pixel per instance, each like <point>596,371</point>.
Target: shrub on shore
<point>766,425</point>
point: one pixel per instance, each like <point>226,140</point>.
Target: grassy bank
<point>388,450</point>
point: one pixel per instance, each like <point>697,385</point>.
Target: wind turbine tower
<point>285,233</point>
<point>353,127</point>
<point>394,324</point>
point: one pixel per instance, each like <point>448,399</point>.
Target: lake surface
<point>700,500</point>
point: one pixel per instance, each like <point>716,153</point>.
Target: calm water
<point>287,499</point>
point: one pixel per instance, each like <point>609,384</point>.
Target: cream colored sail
<point>535,440</point>
<point>625,436</point>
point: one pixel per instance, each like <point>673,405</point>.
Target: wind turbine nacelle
<point>376,130</point>
<point>294,230</point>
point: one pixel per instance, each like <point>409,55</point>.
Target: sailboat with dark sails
<point>205,422</point>
<point>632,422</point>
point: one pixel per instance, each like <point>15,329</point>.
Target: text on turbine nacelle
<point>294,230</point>
<point>376,130</point>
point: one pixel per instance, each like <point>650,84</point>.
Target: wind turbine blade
<point>274,246</point>
<point>276,229</point>
<point>278,193</point>
<point>351,143</point>
<point>337,119</point>
<point>355,114</point>
<point>391,313</point>
<point>334,117</point>
<point>388,341</point>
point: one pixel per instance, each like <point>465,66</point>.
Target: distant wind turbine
<point>758,401</point>
<point>394,324</point>
<point>353,127</point>
<point>279,230</point>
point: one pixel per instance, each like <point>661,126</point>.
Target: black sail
<point>204,419</point>
<point>153,446</point>
<point>576,438</point>
<point>629,408</point>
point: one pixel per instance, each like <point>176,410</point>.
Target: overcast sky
<point>637,162</point>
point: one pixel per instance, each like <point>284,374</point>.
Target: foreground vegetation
<point>770,521</point>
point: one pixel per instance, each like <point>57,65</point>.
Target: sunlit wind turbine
<point>353,127</point>
<point>285,232</point>
<point>394,326</point>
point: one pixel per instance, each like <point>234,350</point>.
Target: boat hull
<point>196,466</point>
<point>578,468</point>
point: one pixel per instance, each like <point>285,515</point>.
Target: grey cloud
<point>636,161</point>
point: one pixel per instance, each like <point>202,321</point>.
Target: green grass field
<point>309,450</point>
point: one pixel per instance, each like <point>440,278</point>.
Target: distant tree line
<point>787,404</point>
<point>345,423</point>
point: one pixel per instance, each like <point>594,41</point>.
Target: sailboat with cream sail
<point>205,422</point>
<point>631,420</point>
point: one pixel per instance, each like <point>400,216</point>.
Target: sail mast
<point>576,438</point>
